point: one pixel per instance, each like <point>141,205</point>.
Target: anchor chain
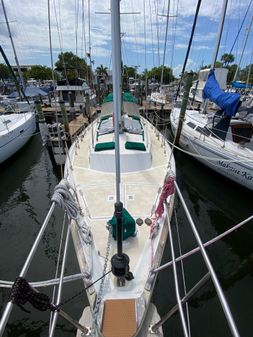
<point>99,296</point>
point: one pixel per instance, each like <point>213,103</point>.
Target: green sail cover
<point>128,223</point>
<point>127,97</point>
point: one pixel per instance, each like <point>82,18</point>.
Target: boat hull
<point>17,137</point>
<point>216,158</point>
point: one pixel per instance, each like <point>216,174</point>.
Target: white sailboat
<point>18,125</point>
<point>232,157</point>
<point>196,91</point>
<point>123,148</point>
<point>119,184</point>
<point>16,129</point>
<point>221,140</point>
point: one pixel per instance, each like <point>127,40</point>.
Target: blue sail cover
<point>229,102</point>
<point>241,85</point>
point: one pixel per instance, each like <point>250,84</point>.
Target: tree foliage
<point>72,66</point>
<point>156,73</point>
<point>102,71</point>
<point>129,71</point>
<point>39,72</point>
<point>227,58</point>
<point>4,71</point>
<point>218,64</point>
<point>231,73</point>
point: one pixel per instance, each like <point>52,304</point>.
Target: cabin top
<point>134,144</point>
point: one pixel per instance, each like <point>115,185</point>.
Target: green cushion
<point>105,146</point>
<point>128,223</point>
<point>103,118</point>
<point>135,146</point>
<point>135,117</point>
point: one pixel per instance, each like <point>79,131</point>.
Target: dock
<point>77,125</point>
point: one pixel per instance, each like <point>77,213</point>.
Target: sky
<point>83,25</point>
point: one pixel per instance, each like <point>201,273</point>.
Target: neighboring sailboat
<point>196,91</point>
<point>221,140</point>
<point>16,128</point>
<point>18,125</point>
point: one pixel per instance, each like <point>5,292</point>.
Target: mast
<point>116,70</point>
<point>119,261</point>
<point>219,33</point>
<point>243,49</point>
<point>216,50</point>
<point>13,47</point>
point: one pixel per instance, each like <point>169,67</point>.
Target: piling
<point>183,106</point>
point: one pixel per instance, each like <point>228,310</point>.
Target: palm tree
<point>227,58</point>
<point>101,77</point>
<point>102,71</point>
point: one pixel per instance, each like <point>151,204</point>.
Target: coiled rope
<point>64,199</point>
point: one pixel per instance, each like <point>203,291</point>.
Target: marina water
<point>27,184</point>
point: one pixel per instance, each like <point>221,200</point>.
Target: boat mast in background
<point>216,50</point>
<point>13,47</point>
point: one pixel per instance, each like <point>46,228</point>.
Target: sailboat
<point>121,169</point>
<point>16,128</point>
<point>118,196</point>
<point>18,123</point>
<point>196,91</point>
<point>220,138</point>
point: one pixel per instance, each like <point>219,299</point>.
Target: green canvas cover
<point>104,146</point>
<point>128,223</point>
<point>127,97</point>
<point>135,146</point>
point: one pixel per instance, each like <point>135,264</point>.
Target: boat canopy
<point>129,105</point>
<point>127,97</point>
<point>29,92</point>
<point>228,102</point>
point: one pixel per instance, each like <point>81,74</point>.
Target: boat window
<point>6,121</point>
<point>204,131</point>
<point>242,133</point>
<point>132,125</point>
<point>191,125</point>
<point>105,126</point>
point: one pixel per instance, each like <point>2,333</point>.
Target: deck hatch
<point>119,318</point>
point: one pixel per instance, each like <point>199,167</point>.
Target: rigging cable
<point>165,41</point>
<point>53,77</point>
<point>189,46</point>
<point>57,267</point>
<point>76,22</point>
<point>135,38</point>
<point>248,77</point>
<point>157,33</point>
<point>145,61</point>
<point>244,45</point>
<point>183,274</point>
<point>84,51</point>
<point>89,73</point>
<point>152,35</point>
<point>59,31</point>
<point>174,35</point>
<point>240,27</point>
<point>228,24</point>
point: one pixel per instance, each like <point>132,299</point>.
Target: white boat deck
<point>139,192</point>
